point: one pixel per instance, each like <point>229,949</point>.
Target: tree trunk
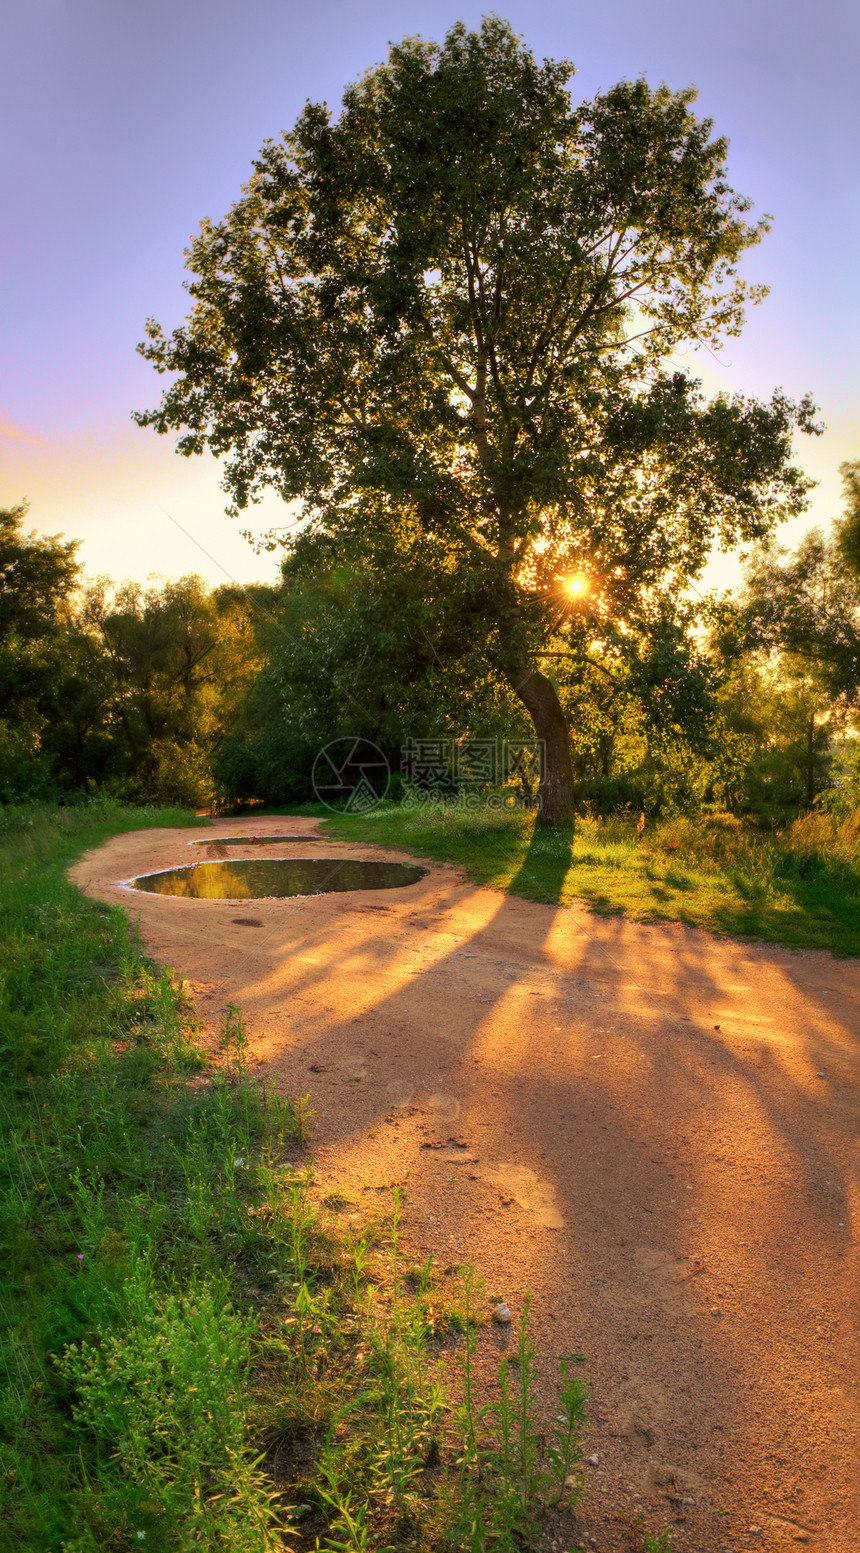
<point>810,762</point>
<point>540,699</point>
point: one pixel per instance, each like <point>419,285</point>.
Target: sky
<point>123,123</point>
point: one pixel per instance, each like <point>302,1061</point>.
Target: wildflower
<point>80,1256</point>
<point>240,1163</point>
<point>141,1536</point>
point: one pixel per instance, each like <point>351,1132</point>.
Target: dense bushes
<point>181,694</point>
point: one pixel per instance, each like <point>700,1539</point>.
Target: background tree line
<point>175,692</point>
<point>125,688</point>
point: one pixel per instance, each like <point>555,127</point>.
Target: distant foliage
<point>126,689</point>
<point>179,694</point>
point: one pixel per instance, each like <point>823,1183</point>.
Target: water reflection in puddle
<point>261,878</point>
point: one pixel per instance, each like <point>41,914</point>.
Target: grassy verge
<point>800,887</point>
<point>201,1348</point>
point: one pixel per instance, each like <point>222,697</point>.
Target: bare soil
<point>652,1130</point>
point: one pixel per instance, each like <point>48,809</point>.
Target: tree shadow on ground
<point>543,872</point>
<point>818,908</point>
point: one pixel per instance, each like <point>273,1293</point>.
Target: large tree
<point>445,321</point>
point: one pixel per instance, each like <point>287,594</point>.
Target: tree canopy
<point>808,604</point>
<point>128,687</point>
<point>37,575</point>
<point>444,320</point>
<point>848,527</point>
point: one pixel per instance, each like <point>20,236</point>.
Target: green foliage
<point>800,886</point>
<point>787,724</point>
<point>660,1544</point>
<point>507,1473</point>
<point>262,759</point>
<point>178,658</point>
<point>807,605</point>
<point>165,1388</point>
<point>178,1310</point>
<point>842,798</point>
<point>791,648</point>
<point>99,1164</point>
<point>39,671</point>
<point>37,575</point>
<point>442,320</point>
<point>127,688</point>
<point>354,652</point>
<point>848,528</point>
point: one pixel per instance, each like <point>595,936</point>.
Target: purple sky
<point>125,122</point>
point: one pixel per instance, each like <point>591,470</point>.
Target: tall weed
<point>162,1390</point>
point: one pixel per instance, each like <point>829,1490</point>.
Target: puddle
<point>256,841</point>
<point>261,879</point>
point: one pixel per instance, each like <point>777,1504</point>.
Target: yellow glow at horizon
<point>577,585</point>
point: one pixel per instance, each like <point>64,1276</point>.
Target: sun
<point>577,585</point>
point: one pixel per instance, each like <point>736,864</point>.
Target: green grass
<point>800,887</point>
<point>200,1346</point>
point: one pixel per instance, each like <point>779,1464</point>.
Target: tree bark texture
<point>540,699</point>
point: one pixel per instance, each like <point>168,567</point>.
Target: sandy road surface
<point>654,1131</point>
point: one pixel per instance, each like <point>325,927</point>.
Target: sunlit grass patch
<point>800,887</point>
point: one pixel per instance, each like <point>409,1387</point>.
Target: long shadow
<point>818,891</point>
<point>710,1107</point>
<point>546,865</point>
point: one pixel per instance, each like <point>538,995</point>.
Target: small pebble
<point>502,1315</point>
<point>593,1461</point>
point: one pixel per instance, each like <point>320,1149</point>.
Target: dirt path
<point>654,1131</point>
